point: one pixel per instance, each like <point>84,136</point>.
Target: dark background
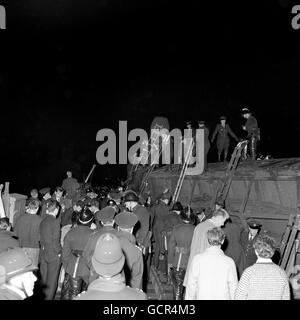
<point>69,68</point>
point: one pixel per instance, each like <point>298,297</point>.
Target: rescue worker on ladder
<point>179,250</point>
<point>74,242</point>
<point>253,132</point>
<point>108,262</point>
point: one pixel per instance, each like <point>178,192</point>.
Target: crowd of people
<point>87,243</point>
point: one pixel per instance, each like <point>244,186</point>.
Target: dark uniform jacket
<point>141,229</point>
<point>7,240</point>
<point>171,221</point>
<point>50,238</point>
<point>71,186</point>
<point>251,126</point>
<point>223,136</point>
<point>180,241</point>
<point>160,213</point>
<point>249,251</point>
<point>232,245</point>
<point>27,228</point>
<point>111,289</point>
<point>134,266</point>
<point>74,244</point>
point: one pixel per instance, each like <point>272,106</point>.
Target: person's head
<point>219,204</point>
<point>78,206</point>
<point>223,120</point>
<point>215,237</point>
<point>188,124</point>
<point>264,246</point>
<point>59,192</point>
<point>108,259</point>
<point>131,200</point>
<point>46,193</point>
<point>34,193</point>
<point>201,124</point>
<point>16,270</point>
<point>177,207</point>
<point>246,113</point>
<point>52,207</point>
<point>85,218</point>
<point>254,227</point>
<point>94,205</point>
<point>126,221</point>
<point>106,216</point>
<point>32,206</point>
<point>219,217</point>
<point>69,174</point>
<point>91,193</point>
<point>4,223</point>
<point>165,198</point>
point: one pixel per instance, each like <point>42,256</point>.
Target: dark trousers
<point>49,274</point>
<point>177,278</point>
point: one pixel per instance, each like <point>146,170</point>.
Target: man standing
<point>247,240</point>
<point>74,244</point>
<point>222,131</point>
<point>199,241</point>
<point>201,125</point>
<point>50,251</point>
<point>179,251</point>
<point>27,228</point>
<point>70,185</point>
<point>108,262</point>
<point>253,133</point>
<point>212,275</point>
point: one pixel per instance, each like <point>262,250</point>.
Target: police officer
<point>70,212</point>
<point>74,242</point>
<point>179,250</point>
<point>201,125</point>
<point>247,240</point>
<point>125,222</point>
<point>16,275</point>
<point>253,132</point>
<point>108,262</point>
<point>160,212</point>
<point>105,218</point>
<point>141,231</point>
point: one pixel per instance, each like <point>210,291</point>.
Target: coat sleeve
<point>191,286</point>
<point>66,251</point>
<point>171,248</point>
<point>241,292</point>
<point>232,133</point>
<point>232,280</point>
<point>137,271</point>
<point>215,133</point>
<point>56,237</point>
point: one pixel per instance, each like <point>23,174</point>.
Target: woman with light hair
<point>264,280</point>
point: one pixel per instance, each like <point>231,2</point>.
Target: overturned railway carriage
<point>267,190</point>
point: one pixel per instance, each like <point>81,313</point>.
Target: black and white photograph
<point>149,152</point>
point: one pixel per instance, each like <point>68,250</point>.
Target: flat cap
<point>126,219</point>
<point>106,214</point>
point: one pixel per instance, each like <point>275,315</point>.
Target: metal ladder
<point>183,171</point>
<point>235,158</point>
<point>290,243</point>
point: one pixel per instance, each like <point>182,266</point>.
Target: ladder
<point>154,145</point>
<point>290,243</point>
<point>183,171</point>
<point>235,157</point>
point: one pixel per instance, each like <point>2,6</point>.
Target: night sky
<point>69,68</point>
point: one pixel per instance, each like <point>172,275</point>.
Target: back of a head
<point>4,223</point>
<point>85,217</point>
<point>220,213</point>
<point>52,205</point>
<point>215,236</point>
<point>264,246</point>
<point>187,217</point>
<point>33,205</point>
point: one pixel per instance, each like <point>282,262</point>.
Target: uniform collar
<point>16,290</point>
<point>112,284</point>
